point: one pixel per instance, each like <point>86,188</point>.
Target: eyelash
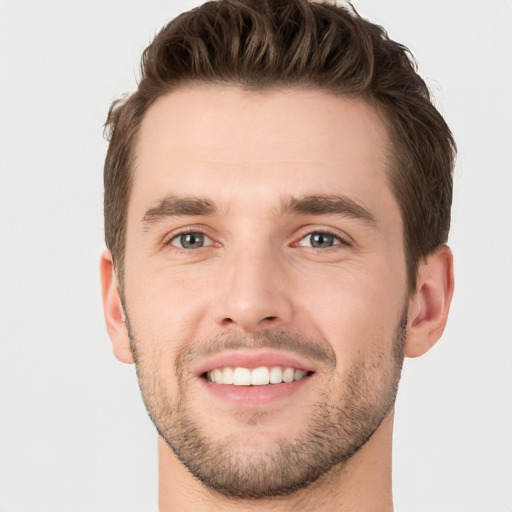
<point>195,231</point>
<point>187,231</point>
<point>342,240</point>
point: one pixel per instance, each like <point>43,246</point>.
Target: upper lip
<point>252,359</point>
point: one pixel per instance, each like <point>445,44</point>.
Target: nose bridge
<point>254,296</point>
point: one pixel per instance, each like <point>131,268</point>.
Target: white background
<point>74,435</point>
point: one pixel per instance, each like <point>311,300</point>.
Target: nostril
<point>248,324</point>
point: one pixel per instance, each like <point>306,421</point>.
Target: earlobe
<point>429,307</point>
<point>113,309</point>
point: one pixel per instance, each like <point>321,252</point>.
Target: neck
<point>362,484</point>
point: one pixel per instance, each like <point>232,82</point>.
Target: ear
<point>113,309</point>
<point>429,307</point>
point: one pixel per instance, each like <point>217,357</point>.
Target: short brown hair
<point>263,44</point>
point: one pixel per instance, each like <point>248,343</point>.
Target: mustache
<point>316,350</point>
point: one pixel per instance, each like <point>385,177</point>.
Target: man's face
<point>263,241</point>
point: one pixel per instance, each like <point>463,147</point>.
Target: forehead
<point>247,147</point>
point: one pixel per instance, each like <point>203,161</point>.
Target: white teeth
<point>298,374</point>
<point>218,376</point>
<point>227,376</point>
<point>288,375</point>
<point>260,376</point>
<point>242,377</point>
<point>276,375</point>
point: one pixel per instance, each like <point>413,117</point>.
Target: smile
<point>260,376</point>
<point>250,378</point>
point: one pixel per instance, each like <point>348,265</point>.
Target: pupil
<point>192,240</point>
<point>322,240</point>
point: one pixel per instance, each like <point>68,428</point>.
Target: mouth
<point>260,376</point>
<point>250,378</point>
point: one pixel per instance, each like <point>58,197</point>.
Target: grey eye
<point>190,240</point>
<point>319,240</point>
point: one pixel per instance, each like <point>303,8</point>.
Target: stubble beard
<point>341,422</point>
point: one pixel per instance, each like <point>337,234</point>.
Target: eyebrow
<point>327,204</point>
<point>176,206</point>
<point>318,204</point>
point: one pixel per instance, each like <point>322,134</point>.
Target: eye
<point>319,240</point>
<point>190,240</point>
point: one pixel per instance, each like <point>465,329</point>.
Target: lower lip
<point>255,395</point>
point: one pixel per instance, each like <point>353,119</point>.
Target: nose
<point>254,293</point>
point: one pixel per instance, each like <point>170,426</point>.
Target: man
<point>277,203</point>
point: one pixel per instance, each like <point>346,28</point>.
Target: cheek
<point>166,305</point>
<point>355,312</point>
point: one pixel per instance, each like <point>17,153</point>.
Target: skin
<point>247,153</point>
